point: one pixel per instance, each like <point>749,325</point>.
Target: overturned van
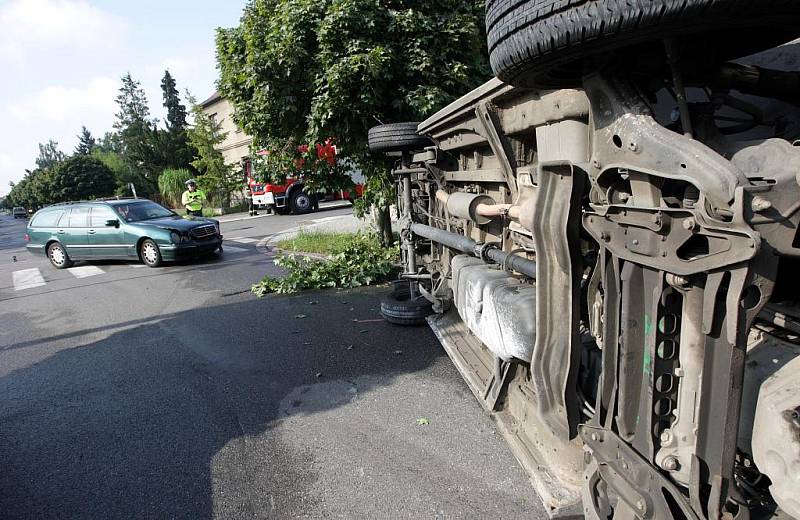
<point>605,240</point>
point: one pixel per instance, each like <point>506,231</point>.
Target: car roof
<point>111,202</point>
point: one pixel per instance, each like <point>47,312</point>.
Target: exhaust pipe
<point>477,208</point>
<point>489,253</point>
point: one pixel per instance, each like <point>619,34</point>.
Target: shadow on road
<point>133,425</point>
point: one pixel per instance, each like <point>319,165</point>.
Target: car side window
<point>100,215</point>
<point>47,219</point>
<point>78,217</point>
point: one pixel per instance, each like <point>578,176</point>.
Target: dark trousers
<point>191,213</point>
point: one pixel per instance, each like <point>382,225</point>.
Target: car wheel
<point>400,309</point>
<point>542,43</point>
<point>150,253</point>
<point>396,137</point>
<point>302,203</point>
<point>58,256</point>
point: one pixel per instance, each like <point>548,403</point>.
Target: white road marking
<point>233,249</point>
<point>27,279</point>
<point>244,240</point>
<point>85,271</point>
<point>328,219</point>
<point>136,264</point>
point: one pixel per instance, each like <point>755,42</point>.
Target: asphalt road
<point>129,392</point>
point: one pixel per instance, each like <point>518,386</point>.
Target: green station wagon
<point>123,229</point>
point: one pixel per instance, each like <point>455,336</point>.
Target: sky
<point>62,60</point>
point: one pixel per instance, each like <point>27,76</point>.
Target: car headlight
<point>175,238</point>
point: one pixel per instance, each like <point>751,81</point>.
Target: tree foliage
<point>86,142</point>
<point>216,178</point>
<point>82,177</point>
<point>178,152</point>
<point>302,71</point>
<point>138,137</point>
<point>49,155</point>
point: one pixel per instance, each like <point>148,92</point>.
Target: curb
<point>263,245</point>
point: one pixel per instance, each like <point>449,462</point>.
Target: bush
<point>172,184</point>
<point>362,260</point>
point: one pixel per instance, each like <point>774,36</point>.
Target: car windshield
<point>139,211</point>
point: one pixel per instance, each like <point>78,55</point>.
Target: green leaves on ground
<point>361,261</point>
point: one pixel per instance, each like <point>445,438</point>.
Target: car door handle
<point>60,231</point>
<point>92,231</point>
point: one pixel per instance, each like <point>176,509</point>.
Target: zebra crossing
<point>31,278</point>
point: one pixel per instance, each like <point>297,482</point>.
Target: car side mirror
<point>112,223</point>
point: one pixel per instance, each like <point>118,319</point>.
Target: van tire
<point>396,137</point>
<point>399,309</point>
<point>542,43</point>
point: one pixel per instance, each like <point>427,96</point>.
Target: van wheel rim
<point>149,253</point>
<point>57,255</point>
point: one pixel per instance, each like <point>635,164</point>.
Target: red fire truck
<point>290,197</point>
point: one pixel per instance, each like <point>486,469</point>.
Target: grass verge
<point>316,242</point>
<point>359,259</point>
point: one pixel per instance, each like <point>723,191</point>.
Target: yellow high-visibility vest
<point>193,200</point>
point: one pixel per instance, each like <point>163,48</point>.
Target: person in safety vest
<point>192,199</point>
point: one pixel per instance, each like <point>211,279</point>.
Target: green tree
<point>86,142</point>
<point>49,155</point>
<point>216,178</point>
<point>82,177</point>
<point>176,149</point>
<point>34,190</point>
<point>301,71</point>
<point>138,141</point>
<point>176,112</point>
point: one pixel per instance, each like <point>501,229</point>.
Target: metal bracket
<point>499,144</point>
<point>556,354</point>
<point>636,483</point>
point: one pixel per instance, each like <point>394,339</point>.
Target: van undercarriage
<point>612,268</point>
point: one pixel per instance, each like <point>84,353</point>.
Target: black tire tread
<point>397,309</point>
<point>528,38</point>
<point>396,137</point>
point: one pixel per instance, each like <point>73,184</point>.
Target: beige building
<point>236,147</point>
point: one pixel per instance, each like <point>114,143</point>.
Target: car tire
<point>400,309</point>
<point>58,256</point>
<point>150,253</point>
<point>396,137</point>
<point>543,43</point>
<point>301,202</point>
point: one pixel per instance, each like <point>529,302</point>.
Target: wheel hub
<point>149,253</point>
<point>57,255</point>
